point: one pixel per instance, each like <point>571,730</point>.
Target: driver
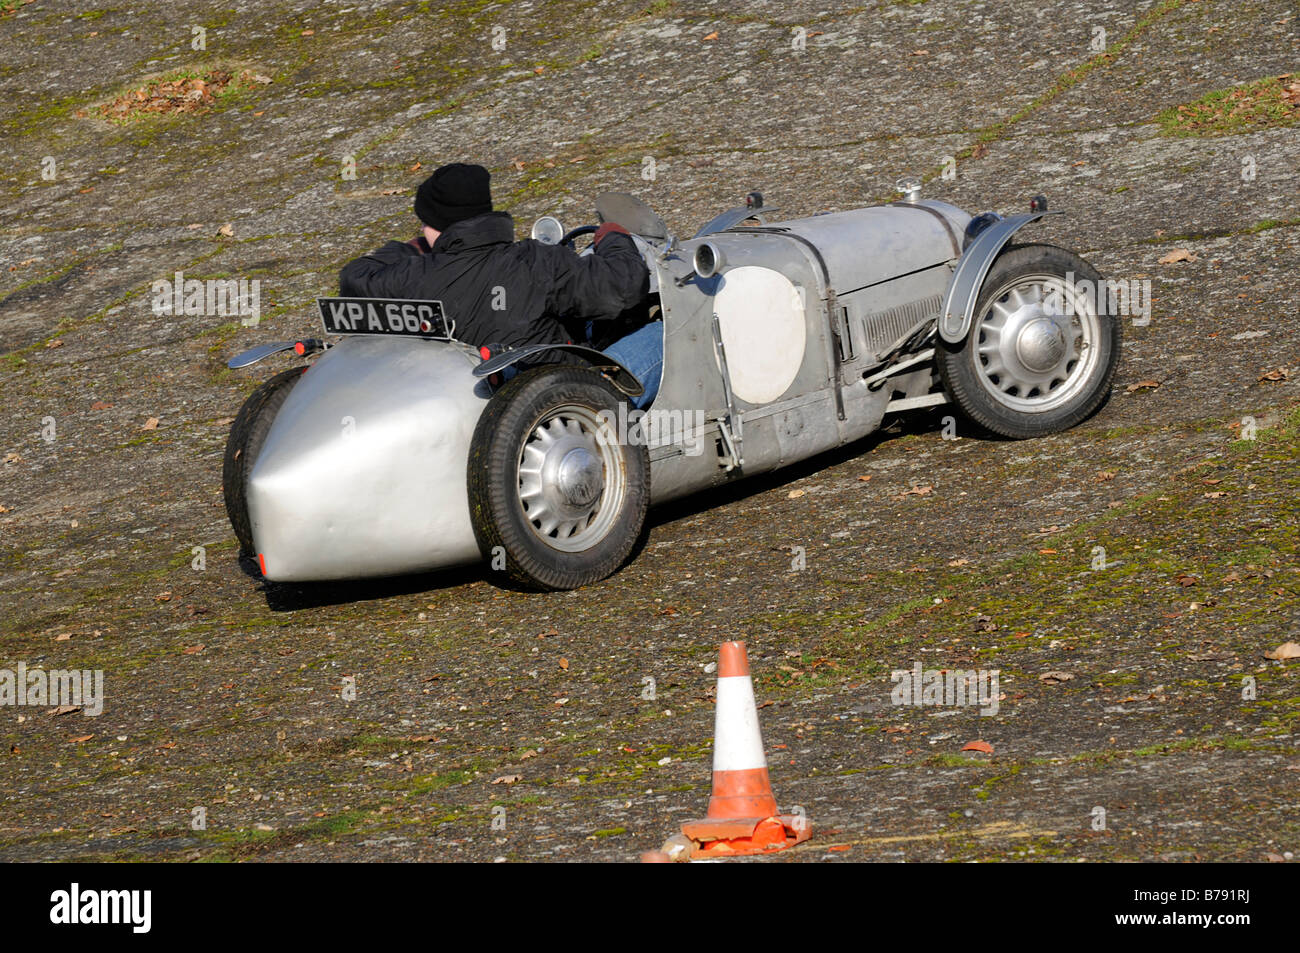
<point>505,294</point>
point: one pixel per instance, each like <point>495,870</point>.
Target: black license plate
<point>421,319</point>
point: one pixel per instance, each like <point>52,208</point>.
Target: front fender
<point>976,260</point>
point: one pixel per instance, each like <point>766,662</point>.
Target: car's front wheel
<point>1042,348</point>
<point>558,495</point>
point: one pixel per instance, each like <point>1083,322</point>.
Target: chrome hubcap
<point>571,478</point>
<point>1041,345</point>
<point>1036,343</point>
<point>580,477</point>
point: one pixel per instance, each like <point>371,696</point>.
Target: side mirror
<point>548,230</point>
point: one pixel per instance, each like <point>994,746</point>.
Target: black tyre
<point>247,434</point>
<point>1042,348</point>
<point>551,486</point>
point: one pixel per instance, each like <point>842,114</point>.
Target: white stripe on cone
<point>738,745</point>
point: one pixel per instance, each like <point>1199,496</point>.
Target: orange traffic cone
<point>743,817</point>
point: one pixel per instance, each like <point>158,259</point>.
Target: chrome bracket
<point>730,424</point>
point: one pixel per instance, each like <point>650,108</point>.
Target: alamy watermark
<point>657,428</point>
<point>213,297</point>
<point>75,905</point>
<point>1113,296</point>
<point>946,687</point>
<point>78,688</point>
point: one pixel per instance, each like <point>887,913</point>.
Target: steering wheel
<point>577,233</point>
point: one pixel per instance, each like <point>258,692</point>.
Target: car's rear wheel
<point>247,434</point>
<point>557,499</point>
<point>1042,349</point>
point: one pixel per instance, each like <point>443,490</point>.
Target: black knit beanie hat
<point>453,193</point>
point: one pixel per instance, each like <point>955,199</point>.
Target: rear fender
<point>262,351</point>
<point>255,354</point>
<point>618,375</point>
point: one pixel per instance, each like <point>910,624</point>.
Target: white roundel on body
<point>761,315</point>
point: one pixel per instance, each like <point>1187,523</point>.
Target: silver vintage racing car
<point>400,449</point>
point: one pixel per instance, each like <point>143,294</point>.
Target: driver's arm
<point>610,280</point>
<point>389,272</point>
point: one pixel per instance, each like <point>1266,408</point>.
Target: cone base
<point>745,793</point>
<point>725,837</point>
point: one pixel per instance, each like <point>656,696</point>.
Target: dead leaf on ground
<point>507,779</point>
<point>227,230</point>
<point>150,424</point>
<point>1280,374</point>
<point>194,649</point>
<point>916,491</point>
<point>1141,385</point>
<point>564,664</point>
<point>1053,678</point>
<point>1177,255</point>
<point>978,746</point>
<point>1287,650</point>
<point>795,494</point>
<point>79,739</point>
<point>100,405</point>
<point>711,36</point>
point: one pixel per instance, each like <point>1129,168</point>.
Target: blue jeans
<point>642,353</point>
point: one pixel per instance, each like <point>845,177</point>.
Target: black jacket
<point>502,293</point>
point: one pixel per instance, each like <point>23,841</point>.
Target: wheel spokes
<point>570,478</point>
<point>1031,345</point>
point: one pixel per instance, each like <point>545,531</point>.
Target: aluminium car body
<point>782,340</point>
